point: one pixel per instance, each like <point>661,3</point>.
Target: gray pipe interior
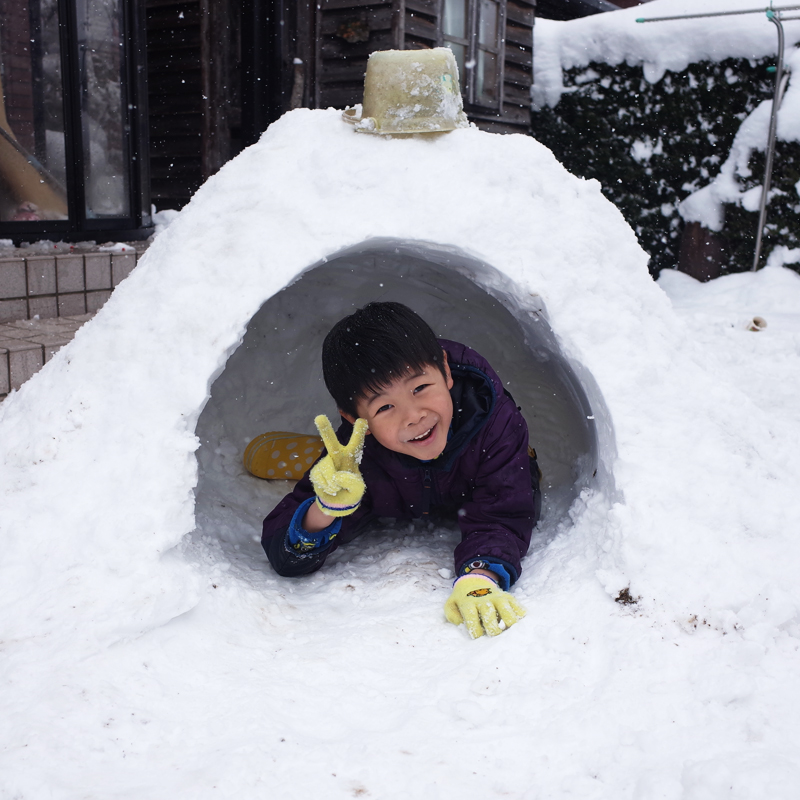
<point>273,381</point>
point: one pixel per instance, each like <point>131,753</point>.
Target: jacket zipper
<point>427,485</point>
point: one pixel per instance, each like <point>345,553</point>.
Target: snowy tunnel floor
<point>233,504</point>
<point>273,381</point>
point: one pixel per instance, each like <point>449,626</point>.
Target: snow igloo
<point>273,379</point>
<point>215,338</point>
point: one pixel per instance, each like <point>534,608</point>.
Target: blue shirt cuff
<point>299,540</point>
<point>506,574</point>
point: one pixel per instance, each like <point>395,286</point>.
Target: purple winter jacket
<point>483,478</point>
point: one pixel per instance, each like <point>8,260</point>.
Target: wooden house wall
<point>195,72</point>
<point>193,94</point>
<point>349,30</point>
<point>174,74</point>
<point>421,24</point>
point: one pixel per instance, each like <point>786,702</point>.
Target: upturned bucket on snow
<point>410,91</point>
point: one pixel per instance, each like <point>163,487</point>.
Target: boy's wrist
<point>486,573</point>
<point>316,520</point>
<point>303,542</point>
<point>498,570</point>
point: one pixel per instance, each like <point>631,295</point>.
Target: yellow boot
<point>280,455</point>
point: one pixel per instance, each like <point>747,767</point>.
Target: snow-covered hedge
<point>669,117</point>
<point>650,145</point>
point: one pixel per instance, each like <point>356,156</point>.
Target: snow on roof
<point>614,38</point>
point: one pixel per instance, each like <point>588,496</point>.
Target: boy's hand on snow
<point>478,601</point>
<point>336,478</point>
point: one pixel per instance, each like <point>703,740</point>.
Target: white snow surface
<point>148,654</point>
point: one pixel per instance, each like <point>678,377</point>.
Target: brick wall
<point>62,285</point>
<point>44,299</point>
<point>27,345</point>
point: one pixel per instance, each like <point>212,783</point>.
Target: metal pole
<point>720,13</point>
<point>770,151</point>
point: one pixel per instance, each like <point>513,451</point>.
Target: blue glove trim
<point>338,508</point>
<point>299,540</point>
<point>504,571</point>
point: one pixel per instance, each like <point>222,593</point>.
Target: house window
<point>101,28</point>
<point>72,127</point>
<point>472,29</point>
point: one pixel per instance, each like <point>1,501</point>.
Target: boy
<point>444,435</point>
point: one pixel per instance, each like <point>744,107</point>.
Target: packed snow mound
<point>658,46</point>
<point>214,680</point>
<point>107,432</point>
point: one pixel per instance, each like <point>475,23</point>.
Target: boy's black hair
<point>366,351</point>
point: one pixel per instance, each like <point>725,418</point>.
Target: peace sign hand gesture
<point>336,478</point>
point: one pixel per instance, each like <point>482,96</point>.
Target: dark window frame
<point>473,47</point>
<point>137,224</point>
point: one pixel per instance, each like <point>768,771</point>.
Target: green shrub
<point>652,145</point>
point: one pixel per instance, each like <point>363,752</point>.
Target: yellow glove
<point>478,601</point>
<point>336,478</point>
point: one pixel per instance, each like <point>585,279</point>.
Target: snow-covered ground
<point>149,652</point>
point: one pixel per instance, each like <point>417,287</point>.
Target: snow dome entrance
<point>273,381</point>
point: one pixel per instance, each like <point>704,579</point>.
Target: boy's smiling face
<point>412,414</point>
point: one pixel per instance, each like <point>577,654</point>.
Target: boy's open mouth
<point>423,436</point>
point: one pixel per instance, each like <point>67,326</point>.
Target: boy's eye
<point>383,408</point>
<point>421,387</point>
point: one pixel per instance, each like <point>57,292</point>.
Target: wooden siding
<point>347,32</point>
<point>421,24</point>
<point>194,94</point>
<point>175,95</point>
<point>195,80</point>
